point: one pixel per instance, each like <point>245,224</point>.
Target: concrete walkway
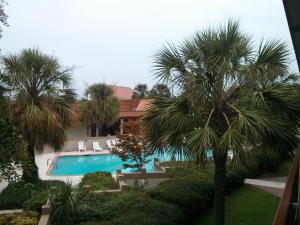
<point>274,185</point>
<point>11,211</point>
<point>265,183</point>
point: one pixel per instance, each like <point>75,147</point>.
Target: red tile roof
<point>123,93</point>
<point>134,107</point>
<point>130,108</point>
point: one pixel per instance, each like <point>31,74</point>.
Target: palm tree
<point>232,97</point>
<point>160,90</point>
<point>140,91</point>
<point>41,101</point>
<point>100,106</point>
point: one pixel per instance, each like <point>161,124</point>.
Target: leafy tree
<point>160,90</point>
<point>232,97</point>
<point>140,91</point>
<point>11,146</point>
<point>41,102</point>
<point>132,147</point>
<point>100,106</point>
<point>3,16</point>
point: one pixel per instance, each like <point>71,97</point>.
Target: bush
<point>235,178</point>
<point>190,193</point>
<point>99,181</point>
<point>16,194</point>
<point>129,208</point>
<point>46,184</point>
<point>36,202</point>
<point>92,206</point>
<point>26,218</point>
<point>145,211</point>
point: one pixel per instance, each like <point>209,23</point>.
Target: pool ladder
<point>49,161</point>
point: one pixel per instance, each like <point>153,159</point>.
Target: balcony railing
<point>289,207</point>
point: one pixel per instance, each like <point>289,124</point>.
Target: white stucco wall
<point>78,130</point>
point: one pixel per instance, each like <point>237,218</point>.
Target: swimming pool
<point>81,164</point>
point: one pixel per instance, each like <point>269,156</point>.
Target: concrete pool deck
<point>44,160</point>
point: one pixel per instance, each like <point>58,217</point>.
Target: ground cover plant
<point>25,218</point>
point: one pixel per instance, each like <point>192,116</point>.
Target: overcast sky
<point>112,41</point>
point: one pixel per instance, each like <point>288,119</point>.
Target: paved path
<point>11,211</point>
<point>265,183</point>
<point>273,185</point>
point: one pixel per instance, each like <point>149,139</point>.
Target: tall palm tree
<point>232,97</point>
<point>160,90</point>
<point>100,106</point>
<point>41,101</point>
<point>140,91</point>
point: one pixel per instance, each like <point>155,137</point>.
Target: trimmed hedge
<point>26,218</point>
<point>190,194</point>
<point>130,208</point>
<point>99,181</point>
<point>16,194</point>
<point>92,206</point>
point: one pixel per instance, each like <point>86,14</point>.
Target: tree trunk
<point>30,170</point>
<point>220,185</point>
<point>97,131</point>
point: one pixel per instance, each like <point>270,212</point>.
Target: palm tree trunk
<point>220,184</point>
<point>30,170</point>
<point>97,131</point>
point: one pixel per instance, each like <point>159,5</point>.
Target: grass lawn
<point>246,206</point>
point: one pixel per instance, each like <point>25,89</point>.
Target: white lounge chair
<point>81,146</point>
<point>109,145</point>
<point>113,142</point>
<point>230,154</point>
<point>96,146</point>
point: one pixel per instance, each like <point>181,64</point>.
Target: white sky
<point>112,41</point>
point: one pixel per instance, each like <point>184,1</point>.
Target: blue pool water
<point>79,165</point>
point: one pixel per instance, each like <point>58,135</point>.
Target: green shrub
<point>46,184</point>
<point>92,206</point>
<point>189,193</point>
<point>16,194</point>
<point>235,178</point>
<point>127,208</point>
<point>26,218</point>
<point>99,181</point>
<point>273,160</point>
<point>145,211</point>
<point>36,202</point>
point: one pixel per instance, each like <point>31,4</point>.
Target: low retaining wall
<point>45,215</point>
<point>143,178</point>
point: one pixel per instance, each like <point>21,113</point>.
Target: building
<point>129,109</point>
